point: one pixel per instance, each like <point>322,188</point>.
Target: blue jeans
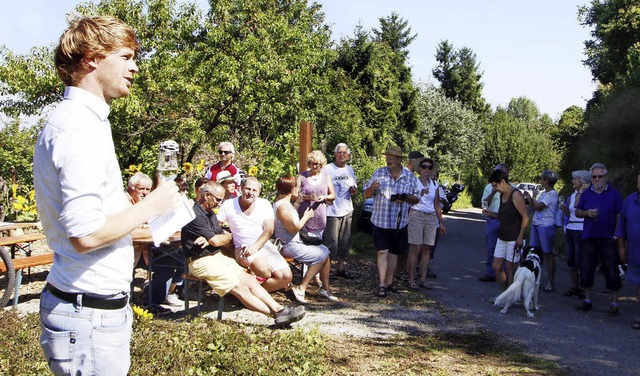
<point>168,265</point>
<point>79,340</point>
<point>491,235</point>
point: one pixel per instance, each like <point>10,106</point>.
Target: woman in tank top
<point>513,218</point>
<point>286,228</point>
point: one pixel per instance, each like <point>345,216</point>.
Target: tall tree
<point>460,77</point>
<point>396,33</point>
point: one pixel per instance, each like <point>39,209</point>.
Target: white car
<point>529,187</point>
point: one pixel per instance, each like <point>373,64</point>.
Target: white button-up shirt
<point>78,182</point>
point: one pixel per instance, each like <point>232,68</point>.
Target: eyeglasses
<point>426,167</point>
<point>225,152</point>
<point>217,200</point>
<point>597,176</point>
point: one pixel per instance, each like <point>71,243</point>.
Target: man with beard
<point>394,188</point>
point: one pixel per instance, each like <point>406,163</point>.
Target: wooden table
<point>160,254</point>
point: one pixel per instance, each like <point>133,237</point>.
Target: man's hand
<point>201,241</point>
<point>162,199</point>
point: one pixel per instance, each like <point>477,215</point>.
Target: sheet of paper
<point>166,225</point>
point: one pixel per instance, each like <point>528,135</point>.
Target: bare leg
<point>508,270</point>
<point>392,262</point>
<point>312,270</point>
<point>325,271</point>
<point>414,250</point>
<point>550,260</point>
<point>501,277</point>
<point>253,296</point>
<point>424,262</point>
<point>382,266</point>
<point>279,280</point>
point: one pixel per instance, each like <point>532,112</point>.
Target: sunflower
<point>187,167</point>
<point>253,171</point>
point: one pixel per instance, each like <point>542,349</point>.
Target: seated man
<point>202,240</point>
<point>251,221</point>
<point>138,187</point>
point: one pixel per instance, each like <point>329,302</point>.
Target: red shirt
<point>212,172</point>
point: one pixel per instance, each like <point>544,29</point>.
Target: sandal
<point>392,288</point>
<point>299,295</point>
<point>426,285</point>
<point>382,291</point>
<point>549,287</point>
<point>413,286</point>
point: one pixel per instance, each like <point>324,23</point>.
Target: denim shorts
<point>542,236</point>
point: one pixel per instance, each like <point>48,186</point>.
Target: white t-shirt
<point>245,229</point>
<point>425,204</point>
<point>343,178</point>
<point>547,216</point>
<point>575,223</point>
<point>78,183</point>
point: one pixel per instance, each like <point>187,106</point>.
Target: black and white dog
<point>526,283</point>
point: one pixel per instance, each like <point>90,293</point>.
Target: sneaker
<point>173,300</point>
<point>158,310</point>
<point>299,295</point>
<point>431,274</point>
<point>614,309</point>
<point>328,295</point>
<point>585,306</point>
<point>289,315</point>
<point>487,278</point>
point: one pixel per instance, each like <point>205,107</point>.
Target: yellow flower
<point>187,167</point>
<point>14,188</point>
<point>31,195</point>
<point>200,165</point>
<point>133,169</point>
<point>141,313</point>
<point>253,171</point>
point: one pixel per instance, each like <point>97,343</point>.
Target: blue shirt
<point>386,213</point>
<point>609,204</point>
<point>629,227</point>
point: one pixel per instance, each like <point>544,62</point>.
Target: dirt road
<point>589,343</point>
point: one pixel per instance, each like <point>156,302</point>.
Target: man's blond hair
<point>87,38</point>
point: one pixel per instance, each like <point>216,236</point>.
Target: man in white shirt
<point>337,233</point>
<point>251,221</point>
<point>84,311</point>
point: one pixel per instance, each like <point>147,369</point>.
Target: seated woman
<point>287,226</point>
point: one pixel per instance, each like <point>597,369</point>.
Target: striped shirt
<point>386,213</point>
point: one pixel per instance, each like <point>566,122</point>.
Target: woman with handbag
<point>309,251</point>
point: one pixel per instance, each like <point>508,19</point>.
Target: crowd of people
<point>598,228</point>
<point>85,315</point>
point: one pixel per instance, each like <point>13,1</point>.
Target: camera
<point>398,197</point>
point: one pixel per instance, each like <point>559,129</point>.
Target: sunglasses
<point>426,167</point>
<point>597,176</point>
<point>225,152</point>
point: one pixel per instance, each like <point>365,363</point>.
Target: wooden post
<point>306,138</point>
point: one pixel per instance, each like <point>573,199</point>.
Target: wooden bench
<point>24,263</point>
<point>16,242</point>
<point>201,281</point>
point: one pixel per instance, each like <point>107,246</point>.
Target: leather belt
<point>88,300</point>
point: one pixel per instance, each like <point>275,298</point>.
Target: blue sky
<point>531,48</point>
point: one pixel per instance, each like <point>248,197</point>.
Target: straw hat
<point>395,151</point>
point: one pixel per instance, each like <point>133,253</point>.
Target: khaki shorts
<point>422,228</point>
<point>222,273</point>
